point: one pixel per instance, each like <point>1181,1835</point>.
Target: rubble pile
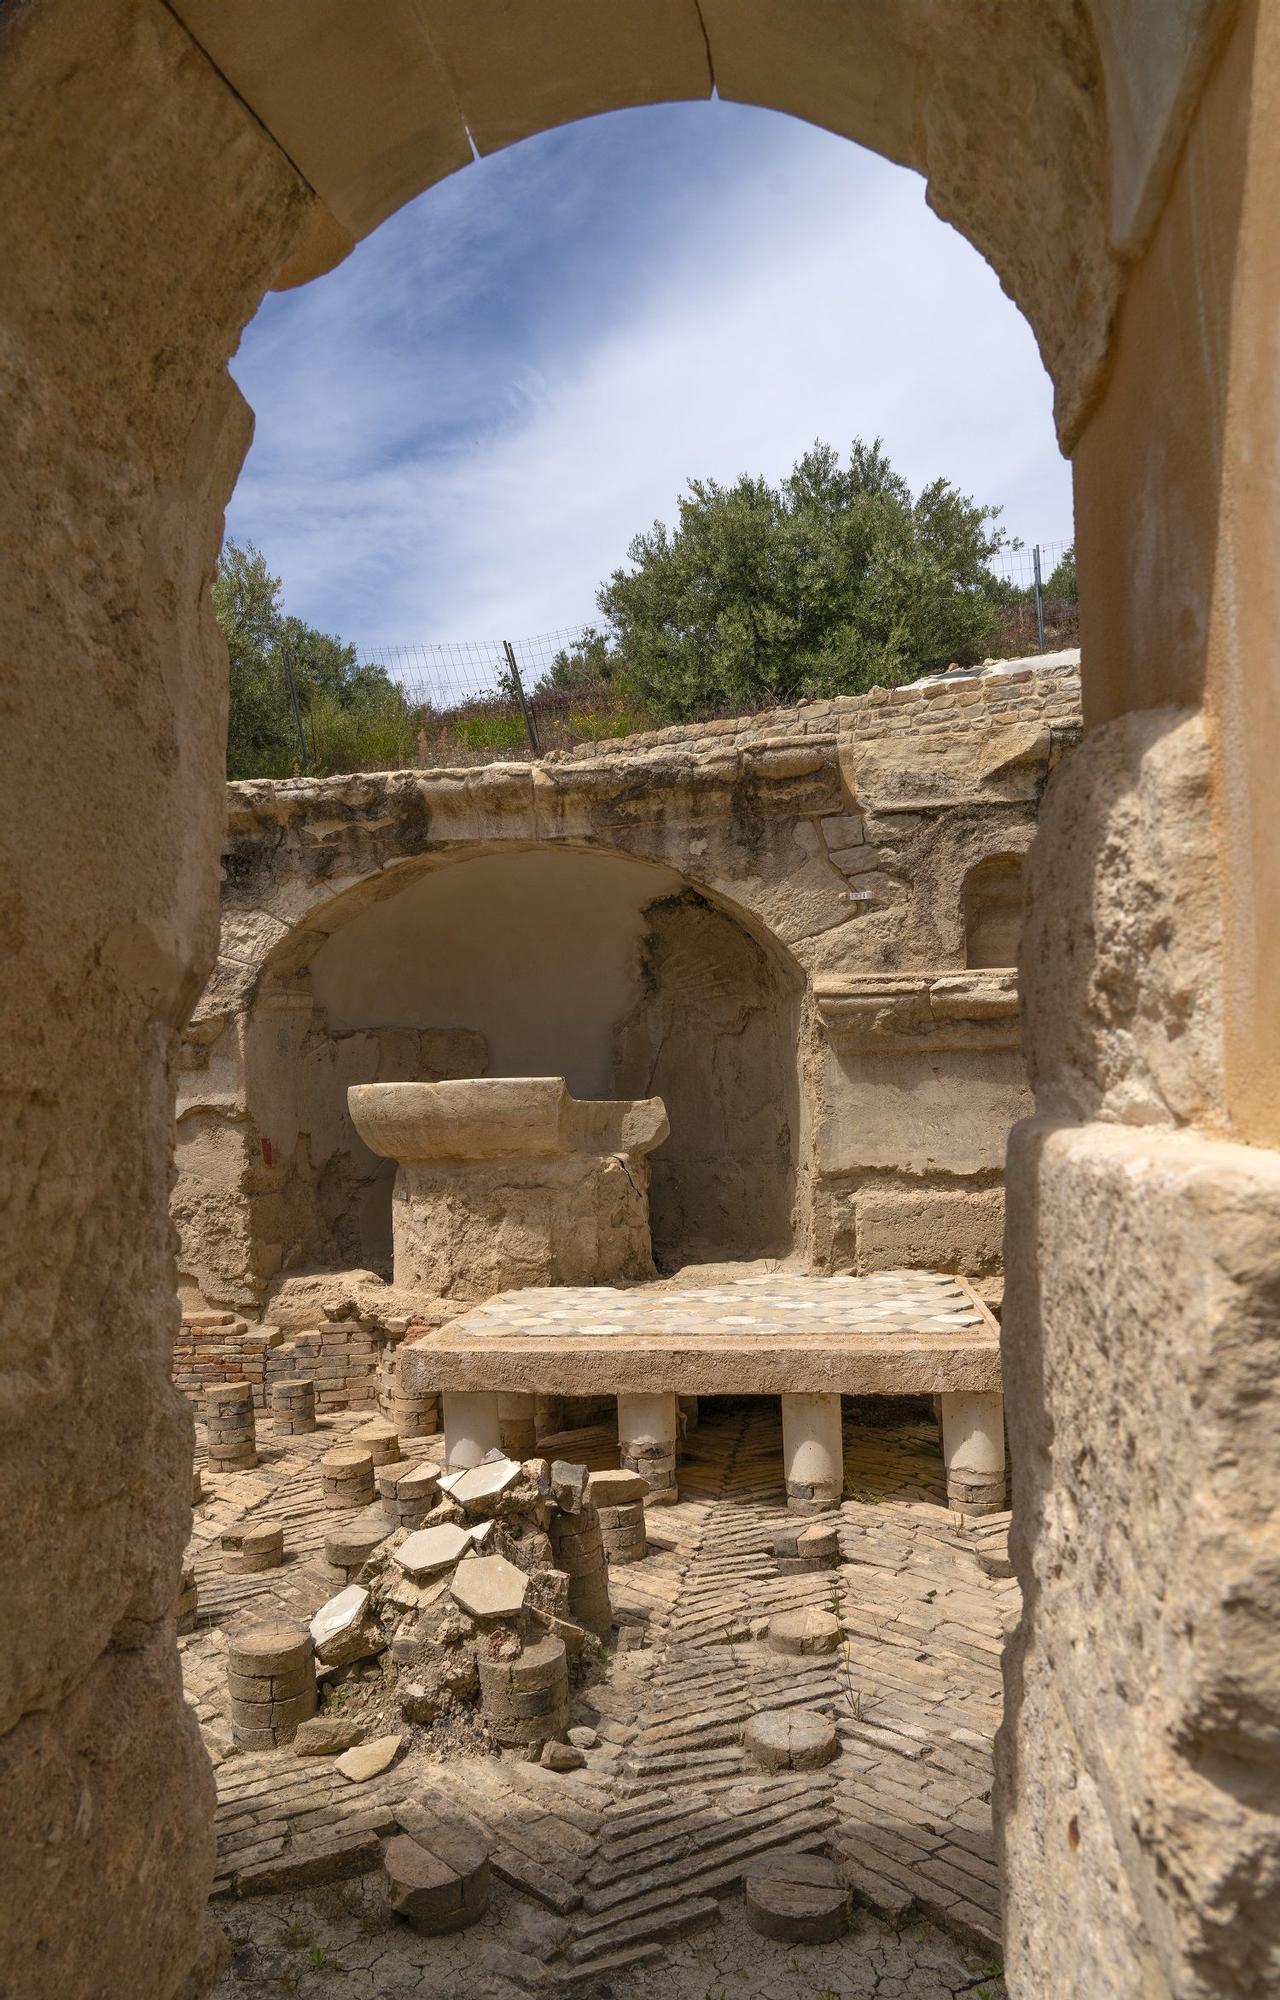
<point>485,1600</point>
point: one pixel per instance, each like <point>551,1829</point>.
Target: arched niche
<point>615,973</point>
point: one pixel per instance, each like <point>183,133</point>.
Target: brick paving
<point>631,1869</point>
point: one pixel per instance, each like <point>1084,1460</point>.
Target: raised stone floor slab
<point>892,1333</point>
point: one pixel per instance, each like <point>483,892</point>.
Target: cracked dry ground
<point>625,1878</point>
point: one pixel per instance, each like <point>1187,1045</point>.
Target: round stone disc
<point>797,1898</point>
<point>808,1631</point>
<point>790,1739</point>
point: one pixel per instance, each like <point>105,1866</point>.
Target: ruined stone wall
<point>680,915</point>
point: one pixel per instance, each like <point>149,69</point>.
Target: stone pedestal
<point>648,1443</point>
<point>231,1435</point>
<point>813,1452</point>
<point>973,1449</point>
<point>472,1427</point>
<point>505,1182</point>
<point>293,1407</point>
<point>517,1426</point>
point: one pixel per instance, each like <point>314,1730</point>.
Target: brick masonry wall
<point>341,1357</point>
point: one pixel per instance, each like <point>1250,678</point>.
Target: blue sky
<point>460,429</point>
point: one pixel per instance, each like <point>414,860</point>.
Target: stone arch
<point>991,906</point>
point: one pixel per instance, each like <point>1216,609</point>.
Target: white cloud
<point>461,429</point>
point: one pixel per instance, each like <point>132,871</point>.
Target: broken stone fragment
<point>429,1550</point>
<point>548,1594</point>
<point>568,1485</point>
<point>438,1684</point>
<point>369,1760</point>
<point>479,1489</point>
<point>326,1736</point>
<point>344,1630</point>
<point>489,1587</point>
<point>583,1738</point>
<point>616,1489</point>
<point>561,1757</point>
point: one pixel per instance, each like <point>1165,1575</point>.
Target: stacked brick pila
<point>231,1434</point>
<point>412,1416</point>
<point>578,1542</point>
<point>654,1459</point>
<point>293,1406</point>
<point>526,1699</point>
<point>408,1491</point>
<point>618,1498</point>
<point>346,1478</point>
<point>271,1679</point>
<point>381,1440</point>
<point>249,1547</point>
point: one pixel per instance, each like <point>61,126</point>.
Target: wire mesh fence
<point>477,700</point>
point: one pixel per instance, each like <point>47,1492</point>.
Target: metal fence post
<point>530,726</point>
<point>287,657</point>
<point>1035,557</point>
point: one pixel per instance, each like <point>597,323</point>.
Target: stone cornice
<point>918,1013</point>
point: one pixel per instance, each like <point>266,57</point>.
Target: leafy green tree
<point>350,713</point>
<point>588,663</point>
<point>1062,578</point>
<point>832,582</point>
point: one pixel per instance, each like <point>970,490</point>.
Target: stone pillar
<point>973,1447</point>
<point>232,1439</point>
<point>648,1442</point>
<point>517,1426</point>
<point>413,1415</point>
<point>471,1427</point>
<point>813,1452</point>
<point>293,1407</point>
